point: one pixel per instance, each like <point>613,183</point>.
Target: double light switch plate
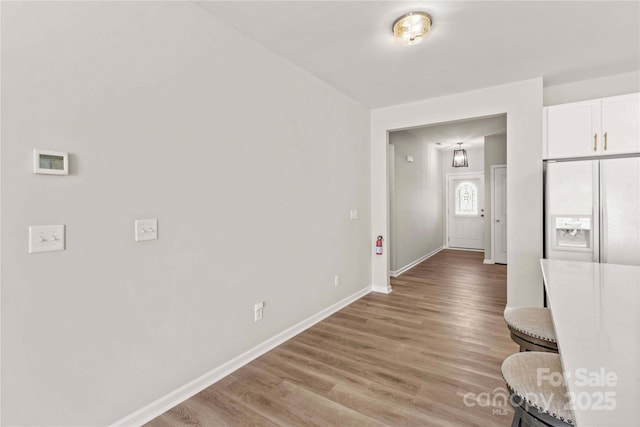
<point>146,229</point>
<point>46,238</point>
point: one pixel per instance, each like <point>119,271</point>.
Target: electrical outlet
<point>257,311</point>
<point>336,281</point>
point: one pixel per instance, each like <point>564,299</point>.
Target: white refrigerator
<point>592,210</point>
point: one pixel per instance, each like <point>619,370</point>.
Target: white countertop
<point>596,315</point>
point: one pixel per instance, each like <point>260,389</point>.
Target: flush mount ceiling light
<point>411,28</point>
<point>460,159</point>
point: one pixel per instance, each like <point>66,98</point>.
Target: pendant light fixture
<point>411,28</point>
<point>460,159</point>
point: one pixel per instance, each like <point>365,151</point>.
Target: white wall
<point>250,164</point>
<point>522,102</point>
<point>416,206</point>
<point>495,153</point>
<point>617,84</point>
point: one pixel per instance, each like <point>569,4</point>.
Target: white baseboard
<point>488,261</point>
<point>160,406</point>
<point>408,267</point>
<point>465,249</point>
<point>381,289</point>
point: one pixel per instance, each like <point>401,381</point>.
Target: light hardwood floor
<point>404,359</point>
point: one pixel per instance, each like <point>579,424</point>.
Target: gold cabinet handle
<point>605,141</point>
<point>595,142</point>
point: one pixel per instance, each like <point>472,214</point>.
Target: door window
<point>466,199</point>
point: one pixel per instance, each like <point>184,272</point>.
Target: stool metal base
<point>528,416</point>
<point>529,343</point>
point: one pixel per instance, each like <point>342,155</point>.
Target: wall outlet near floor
<point>336,281</point>
<point>257,311</point>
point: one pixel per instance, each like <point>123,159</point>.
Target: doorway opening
<point>433,205</point>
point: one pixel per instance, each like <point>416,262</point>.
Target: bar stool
<point>531,328</point>
<point>538,400</point>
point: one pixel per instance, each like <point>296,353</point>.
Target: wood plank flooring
<point>404,359</point>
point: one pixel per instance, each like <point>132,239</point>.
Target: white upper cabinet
<point>572,129</point>
<point>621,124</point>
<point>593,128</point>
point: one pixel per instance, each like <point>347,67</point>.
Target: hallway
<point>420,356</point>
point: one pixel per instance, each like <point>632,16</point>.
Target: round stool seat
<point>532,328</point>
<point>535,378</point>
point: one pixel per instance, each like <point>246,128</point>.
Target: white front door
<point>466,213</point>
<point>499,212</point>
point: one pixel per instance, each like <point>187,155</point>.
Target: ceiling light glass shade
<point>460,159</point>
<point>411,28</point>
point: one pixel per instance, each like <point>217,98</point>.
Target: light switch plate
<point>46,238</point>
<point>146,229</point>
<point>353,214</point>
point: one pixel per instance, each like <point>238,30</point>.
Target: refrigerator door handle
<point>603,234</point>
<point>596,236</point>
<point>602,199</point>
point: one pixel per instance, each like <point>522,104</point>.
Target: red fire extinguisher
<point>379,245</point>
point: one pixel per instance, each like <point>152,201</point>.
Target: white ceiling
<point>473,44</point>
<point>471,132</point>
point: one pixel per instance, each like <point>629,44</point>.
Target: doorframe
<point>391,186</point>
<point>446,205</point>
<point>521,102</point>
<point>493,210</point>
